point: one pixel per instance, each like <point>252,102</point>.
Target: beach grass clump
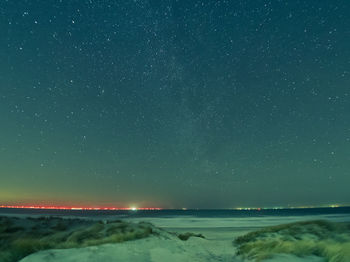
<point>21,237</point>
<point>328,240</point>
<point>187,235</point>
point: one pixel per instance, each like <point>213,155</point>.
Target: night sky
<point>175,103</point>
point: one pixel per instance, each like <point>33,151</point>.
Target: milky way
<point>208,104</point>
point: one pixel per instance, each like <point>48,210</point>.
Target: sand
<point>153,249</point>
<point>216,247</point>
<point>166,246</point>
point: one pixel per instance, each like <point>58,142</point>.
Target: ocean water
<point>209,213</point>
<point>199,218</point>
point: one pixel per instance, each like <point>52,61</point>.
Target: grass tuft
<point>21,237</point>
<point>311,238</point>
<point>186,236</point>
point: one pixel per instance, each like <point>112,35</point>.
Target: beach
<point>166,238</point>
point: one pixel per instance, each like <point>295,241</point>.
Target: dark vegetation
<point>21,237</point>
<point>186,236</point>
<point>311,238</point>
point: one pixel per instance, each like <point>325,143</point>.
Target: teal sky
<point>208,104</point>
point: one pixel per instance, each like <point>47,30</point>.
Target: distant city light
<point>80,208</point>
<point>289,207</point>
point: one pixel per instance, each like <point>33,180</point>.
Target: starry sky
<point>175,103</point>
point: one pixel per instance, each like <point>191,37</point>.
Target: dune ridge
<point>55,239</point>
<point>320,238</point>
<point>21,237</point>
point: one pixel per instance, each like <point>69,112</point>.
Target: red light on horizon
<point>79,208</point>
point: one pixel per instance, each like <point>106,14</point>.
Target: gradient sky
<point>176,103</point>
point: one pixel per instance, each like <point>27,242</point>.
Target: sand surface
<point>217,246</point>
<point>150,249</point>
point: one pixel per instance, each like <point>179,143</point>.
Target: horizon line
<point>77,207</point>
<point>134,208</point>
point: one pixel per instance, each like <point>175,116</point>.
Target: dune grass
<point>21,237</point>
<point>187,235</point>
<point>311,238</point>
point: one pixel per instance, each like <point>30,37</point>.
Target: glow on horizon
<point>78,208</point>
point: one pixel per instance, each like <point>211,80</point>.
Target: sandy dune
<point>166,247</point>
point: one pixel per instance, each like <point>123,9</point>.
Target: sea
<point>200,213</point>
<point>197,218</point>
